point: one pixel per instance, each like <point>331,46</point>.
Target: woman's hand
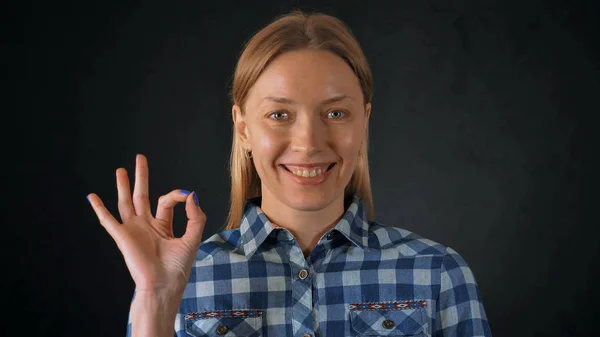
<point>156,259</point>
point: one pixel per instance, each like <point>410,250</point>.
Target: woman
<point>301,255</point>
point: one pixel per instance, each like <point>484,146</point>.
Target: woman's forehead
<point>306,75</point>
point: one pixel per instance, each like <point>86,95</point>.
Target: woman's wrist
<point>153,313</point>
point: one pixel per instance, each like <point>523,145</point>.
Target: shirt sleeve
<point>460,311</point>
<point>128,332</point>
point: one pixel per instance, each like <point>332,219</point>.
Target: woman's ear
<point>239,123</point>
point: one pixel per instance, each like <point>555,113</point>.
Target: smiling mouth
<point>308,172</point>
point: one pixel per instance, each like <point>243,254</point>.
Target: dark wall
<point>482,138</point>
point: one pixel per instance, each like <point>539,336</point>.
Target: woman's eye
<point>336,114</point>
<point>278,115</point>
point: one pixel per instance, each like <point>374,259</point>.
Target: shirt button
<point>330,235</point>
<point>303,274</point>
<point>388,324</point>
<point>222,329</point>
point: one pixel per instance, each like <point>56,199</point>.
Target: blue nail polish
<point>195,199</point>
<point>185,192</point>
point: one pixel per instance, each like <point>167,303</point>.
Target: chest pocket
<point>224,323</point>
<point>405,318</point>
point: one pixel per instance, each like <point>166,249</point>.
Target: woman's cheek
<point>347,143</point>
<point>268,145</point>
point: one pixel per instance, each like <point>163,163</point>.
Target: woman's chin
<point>310,202</point>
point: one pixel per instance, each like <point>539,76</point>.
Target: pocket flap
<point>407,318</point>
<point>224,323</point>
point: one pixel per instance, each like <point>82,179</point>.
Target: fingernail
<point>88,198</point>
<point>185,192</point>
<point>195,199</point>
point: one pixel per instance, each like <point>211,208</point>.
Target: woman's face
<point>304,121</point>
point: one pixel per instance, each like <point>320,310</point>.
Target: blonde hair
<point>294,31</point>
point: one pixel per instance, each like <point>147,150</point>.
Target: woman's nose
<point>308,135</point>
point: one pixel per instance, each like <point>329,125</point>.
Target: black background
<point>482,138</point>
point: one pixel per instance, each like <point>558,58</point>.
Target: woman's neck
<point>307,226</point>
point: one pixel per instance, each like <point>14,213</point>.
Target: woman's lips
<point>311,175</point>
<point>308,170</point>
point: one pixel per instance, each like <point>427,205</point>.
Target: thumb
<point>196,221</point>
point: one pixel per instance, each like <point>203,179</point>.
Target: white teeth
<point>307,173</point>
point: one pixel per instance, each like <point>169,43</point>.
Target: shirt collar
<point>256,227</point>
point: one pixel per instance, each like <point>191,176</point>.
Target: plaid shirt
<point>362,279</point>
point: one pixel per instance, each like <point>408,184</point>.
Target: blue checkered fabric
<point>403,322</point>
<point>363,278</point>
<point>223,325</point>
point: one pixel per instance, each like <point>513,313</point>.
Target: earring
<point>247,153</point>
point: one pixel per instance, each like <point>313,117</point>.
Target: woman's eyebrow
<point>335,99</point>
<point>285,100</point>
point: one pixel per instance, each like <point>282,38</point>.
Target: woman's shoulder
<point>408,243</point>
<point>225,240</point>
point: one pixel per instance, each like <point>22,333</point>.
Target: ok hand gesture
<point>156,259</point>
